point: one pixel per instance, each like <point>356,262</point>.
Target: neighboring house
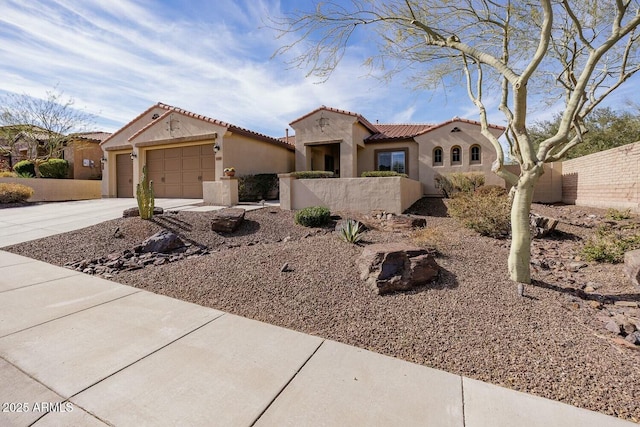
<point>84,154</point>
<point>182,149</point>
<point>348,144</point>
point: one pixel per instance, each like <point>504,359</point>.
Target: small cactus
<point>145,196</point>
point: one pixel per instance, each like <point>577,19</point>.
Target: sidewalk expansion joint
<point>464,421</point>
<point>71,274</point>
<point>287,384</point>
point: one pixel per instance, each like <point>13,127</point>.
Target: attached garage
<point>179,172</point>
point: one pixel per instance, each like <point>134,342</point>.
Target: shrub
<point>488,189</point>
<point>428,237</point>
<point>25,167</point>
<point>312,174</point>
<point>459,182</point>
<point>351,231</point>
<point>54,168</point>
<point>616,215</point>
<point>379,174</point>
<point>8,174</point>
<point>252,188</point>
<point>608,246</point>
<point>14,193</point>
<point>314,216</point>
<point>488,213</point>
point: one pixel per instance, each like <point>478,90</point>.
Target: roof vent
<point>455,129</point>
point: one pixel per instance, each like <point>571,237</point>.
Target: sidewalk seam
<point>72,273</point>
<point>287,384</point>
<point>464,421</point>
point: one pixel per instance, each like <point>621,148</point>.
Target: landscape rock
<point>162,242</point>
<point>541,226</point>
<point>632,267</point>
<point>227,220</point>
<point>131,212</point>
<point>613,326</point>
<point>396,267</point>
<point>383,221</point>
<point>633,338</point>
<point>576,266</point>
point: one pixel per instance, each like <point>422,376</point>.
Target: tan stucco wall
<point>367,156</point>
<point>58,190</point>
<point>391,194</point>
<point>549,186</point>
<point>468,136</point>
<point>221,193</point>
<point>76,152</point>
<point>251,156</point>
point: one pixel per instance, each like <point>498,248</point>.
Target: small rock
<point>632,266</point>
<point>630,304</point>
<point>541,226</point>
<point>634,338</point>
<point>162,242</point>
<point>589,289</point>
<point>107,276</point>
<point>595,304</point>
<point>284,268</point>
<point>131,212</point>
<point>575,266</point>
<point>613,326</point>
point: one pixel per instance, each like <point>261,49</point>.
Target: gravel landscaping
<point>471,322</point>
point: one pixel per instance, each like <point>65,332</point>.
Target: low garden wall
<point>59,190</point>
<point>390,194</point>
<point>220,193</point>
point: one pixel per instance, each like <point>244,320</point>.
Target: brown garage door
<point>124,175</point>
<point>179,172</point>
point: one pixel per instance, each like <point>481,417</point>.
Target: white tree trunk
<point>520,253</point>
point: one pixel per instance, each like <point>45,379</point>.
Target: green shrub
<point>252,188</point>
<point>488,212</point>
<point>8,174</point>
<point>25,167</point>
<point>616,215</point>
<point>54,168</point>
<point>312,174</point>
<point>459,182</point>
<point>314,216</point>
<point>351,231</point>
<point>608,246</point>
<point>14,193</point>
<point>379,174</point>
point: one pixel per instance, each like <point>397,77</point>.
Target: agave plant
<point>351,231</point>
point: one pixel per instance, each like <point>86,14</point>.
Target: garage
<point>179,172</point>
<point>124,167</point>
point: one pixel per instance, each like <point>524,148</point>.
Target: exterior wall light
<point>133,155</point>
<point>216,148</point>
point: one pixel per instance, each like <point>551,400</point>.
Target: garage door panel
<point>171,178</point>
<point>208,175</point>
<point>173,191</point>
<point>172,164</point>
<point>191,163</point>
<point>172,153</point>
<point>193,151</point>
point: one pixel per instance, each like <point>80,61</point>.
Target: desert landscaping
<point>556,342</point>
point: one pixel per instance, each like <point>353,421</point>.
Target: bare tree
<point>36,129</point>
<point>575,52</point>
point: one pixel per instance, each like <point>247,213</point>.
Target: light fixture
<point>455,129</point>
<point>133,155</point>
<point>216,148</point>
<point>323,122</point>
<point>103,160</point>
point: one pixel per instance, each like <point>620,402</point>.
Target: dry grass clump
<point>487,212</point>
<point>428,237</point>
<point>14,193</point>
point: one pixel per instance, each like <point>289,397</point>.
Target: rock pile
<point>161,248</point>
<point>384,221</point>
<point>541,226</point>
<point>622,318</point>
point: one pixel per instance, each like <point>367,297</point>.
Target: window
<point>456,157</point>
<point>475,154</point>
<point>388,160</point>
<point>437,156</point>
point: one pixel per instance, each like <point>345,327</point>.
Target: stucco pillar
<point>348,161</point>
<point>286,191</point>
<point>223,192</point>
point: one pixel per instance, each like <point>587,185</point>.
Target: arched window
<point>437,156</point>
<point>456,155</point>
<point>475,155</point>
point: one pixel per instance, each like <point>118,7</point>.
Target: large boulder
<point>632,266</point>
<point>162,242</point>
<point>390,267</point>
<point>227,220</point>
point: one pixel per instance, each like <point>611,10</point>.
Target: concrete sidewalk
<point>76,350</point>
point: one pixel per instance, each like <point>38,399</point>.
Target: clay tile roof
<point>360,118</point>
<point>92,136</point>
<point>388,132</point>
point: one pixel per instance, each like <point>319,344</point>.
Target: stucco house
<point>348,144</point>
<point>84,154</point>
<point>182,149</point>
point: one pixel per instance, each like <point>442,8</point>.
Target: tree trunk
<point>520,253</point>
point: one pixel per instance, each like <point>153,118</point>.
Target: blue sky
<point>118,57</point>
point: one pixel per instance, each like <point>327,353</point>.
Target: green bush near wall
<point>24,168</point>
<point>55,168</point>
<point>313,174</point>
<point>382,174</point>
<point>313,216</point>
<point>263,186</point>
